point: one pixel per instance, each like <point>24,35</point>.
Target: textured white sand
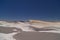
<point>9,36</point>
<point>28,26</point>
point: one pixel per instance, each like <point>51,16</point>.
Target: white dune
<point>31,24</point>
<point>9,36</point>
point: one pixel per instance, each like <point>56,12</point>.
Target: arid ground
<point>30,35</point>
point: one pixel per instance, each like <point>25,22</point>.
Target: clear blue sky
<point>30,9</point>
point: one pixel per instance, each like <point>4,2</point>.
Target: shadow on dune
<point>42,29</point>
<point>9,29</point>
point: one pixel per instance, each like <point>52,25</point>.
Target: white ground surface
<point>25,26</point>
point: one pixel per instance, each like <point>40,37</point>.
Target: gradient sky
<point>30,9</point>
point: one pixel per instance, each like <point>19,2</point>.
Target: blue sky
<point>30,9</point>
